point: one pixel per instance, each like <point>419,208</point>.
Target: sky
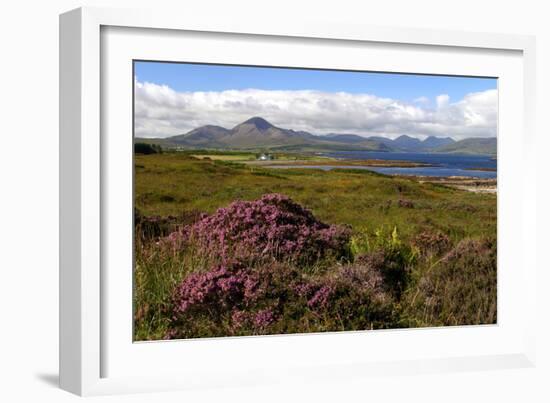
<point>173,98</point>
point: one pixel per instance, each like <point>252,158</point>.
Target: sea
<point>442,165</point>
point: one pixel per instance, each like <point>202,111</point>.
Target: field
<point>378,251</point>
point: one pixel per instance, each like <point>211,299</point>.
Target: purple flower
<point>321,297</point>
<point>239,318</point>
<point>264,318</point>
<point>218,287</point>
<point>272,226</point>
<point>303,289</point>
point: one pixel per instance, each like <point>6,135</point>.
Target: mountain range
<point>257,133</point>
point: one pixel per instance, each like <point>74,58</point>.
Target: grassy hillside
<point>429,250</point>
<point>170,184</point>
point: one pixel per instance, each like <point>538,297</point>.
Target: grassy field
<point>169,184</point>
<point>225,157</point>
<point>441,241</point>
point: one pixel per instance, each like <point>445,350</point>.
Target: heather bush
<point>230,299</point>
<point>272,226</point>
<point>239,300</point>
<point>390,266</point>
<point>240,271</point>
<point>215,256</point>
<point>354,297</point>
<point>249,269</point>
<point>387,254</point>
<point>155,227</point>
<point>458,289</point>
<point>431,243</point>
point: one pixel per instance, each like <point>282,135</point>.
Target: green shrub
<point>145,148</point>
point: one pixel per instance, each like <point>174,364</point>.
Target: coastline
<point>475,185</point>
<point>341,162</point>
<point>464,183</point>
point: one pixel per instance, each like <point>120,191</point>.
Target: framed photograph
<point>243,203</point>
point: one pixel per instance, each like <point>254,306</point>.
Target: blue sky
<point>184,77</point>
<point>174,98</point>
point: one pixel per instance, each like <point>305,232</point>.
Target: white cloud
<point>442,101</point>
<point>160,112</point>
<point>422,100</point>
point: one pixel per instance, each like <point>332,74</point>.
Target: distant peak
<point>211,127</point>
<point>260,123</point>
<point>404,136</point>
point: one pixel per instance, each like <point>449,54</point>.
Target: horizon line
<point>417,137</point>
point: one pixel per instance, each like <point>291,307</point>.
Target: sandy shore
<point>475,185</point>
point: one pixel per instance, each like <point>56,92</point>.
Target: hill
<point>412,144</point>
<point>258,134</point>
<point>434,142</point>
<point>471,146</point>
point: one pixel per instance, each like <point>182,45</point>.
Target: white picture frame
<point>88,347</point>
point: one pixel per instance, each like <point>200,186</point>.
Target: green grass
<point>392,209</point>
<point>169,184</point>
<point>223,157</point>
